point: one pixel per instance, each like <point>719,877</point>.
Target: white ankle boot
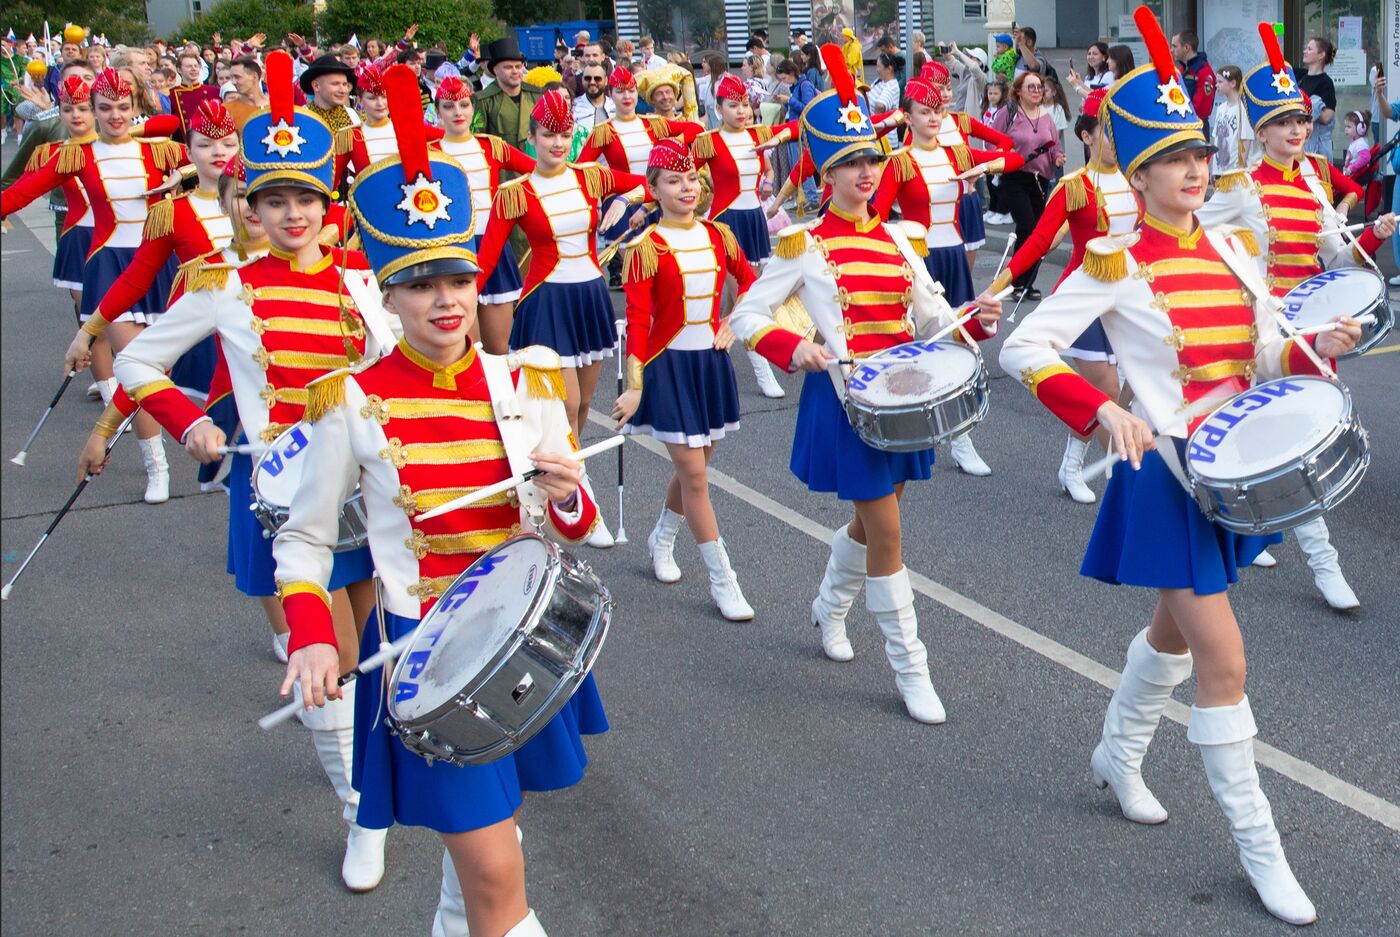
<point>891,600</point>
<point>845,574</point>
<point>966,458</point>
<point>1072,472</point>
<point>157,470</point>
<point>530,927</point>
<point>1316,542</point>
<point>601,537</point>
<point>279,646</point>
<point>662,545</point>
<point>106,390</point>
<point>1265,560</point>
<point>332,732</point>
<point>724,585</point>
<point>1225,736</point>
<point>1128,726</point>
<point>768,385</point>
<point>451,917</point>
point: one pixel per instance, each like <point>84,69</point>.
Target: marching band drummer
<point>865,285</point>
<point>1088,203</point>
<point>680,380</point>
<point>414,430</point>
<point>282,320</point>
<point>1182,306</point>
<point>1286,201</point>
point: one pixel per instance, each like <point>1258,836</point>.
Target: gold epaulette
<point>510,199</point>
<point>71,158</point>
<point>602,135</point>
<point>324,394</point>
<point>1246,239</point>
<point>592,178</point>
<point>704,145</point>
<point>727,238</point>
<point>205,274</point>
<point>167,154</point>
<point>1232,180</point>
<point>962,157</point>
<point>39,157</point>
<point>344,140</point>
<point>902,165</point>
<point>1076,190</point>
<point>643,257</point>
<point>497,145</point>
<point>917,235</point>
<point>544,377</point>
<point>964,123</point>
<point>1105,258</point>
<point>160,220</point>
<point>658,126</point>
<point>792,241</point>
<point>763,132</point>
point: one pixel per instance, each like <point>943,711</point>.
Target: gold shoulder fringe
<point>602,135</point>
<point>763,132</point>
<point>792,242</point>
<point>964,124</point>
<point>203,274</point>
<point>659,130</point>
<point>1247,240</point>
<point>1230,181</point>
<point>160,220</point>
<point>962,157</point>
<point>543,383</point>
<point>1105,258</point>
<point>167,154</point>
<point>71,158</point>
<point>1076,191</point>
<point>325,394</point>
<point>344,140</point>
<point>727,238</point>
<point>498,147</point>
<point>643,257</point>
<point>902,165</point>
<point>39,157</point>
<point>510,199</point>
<point>704,145</point>
<point>593,180</point>
<point>919,246</point>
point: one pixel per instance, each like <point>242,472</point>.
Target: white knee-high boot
<point>333,734</point>
<point>1225,736</point>
<point>530,927</point>
<point>451,917</point>
<point>724,584</point>
<point>891,600</point>
<point>845,574</point>
<point>1316,542</point>
<point>662,545</point>
<point>157,470</point>
<point>768,385</point>
<point>601,537</point>
<point>1071,472</point>
<point>1128,726</point>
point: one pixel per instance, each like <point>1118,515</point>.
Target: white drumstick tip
<point>5,592</point>
<point>1094,470</point>
<point>19,459</point>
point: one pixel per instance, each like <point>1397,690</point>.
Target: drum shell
<point>528,682</point>
<point>1285,497</point>
<point>1371,335</point>
<point>919,426</point>
<point>353,532</point>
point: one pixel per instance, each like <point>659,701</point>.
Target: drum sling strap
<point>369,303</point>
<point>516,435</point>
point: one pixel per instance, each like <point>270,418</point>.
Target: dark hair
<point>719,65</point>
<point>891,61</point>
<point>248,62</point>
<point>404,56</point>
<point>1028,33</point>
<point>1121,61</point>
<point>1103,50</point>
<point>1188,37</point>
<point>76,63</point>
<point>189,55</point>
<point>754,43</point>
<point>887,41</point>
<point>1085,124</point>
<point>1329,51</point>
<point>812,55</point>
<point>787,66</point>
<point>1231,72</point>
<point>999,80</point>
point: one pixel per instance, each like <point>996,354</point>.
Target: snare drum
<point>276,475</point>
<point>499,655</point>
<point>911,396</point>
<point>1278,455</point>
<point>1350,291</point>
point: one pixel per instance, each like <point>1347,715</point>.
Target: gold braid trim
<point>1230,181</point>
<point>324,395</point>
<point>1104,259</point>
<point>962,157</point>
<point>643,258</point>
<point>919,246</point>
<point>964,123</point>
<point>160,220</point>
<point>902,165</point>
<point>510,199</point>
<point>763,132</point>
<point>1323,165</point>
<point>167,154</point>
<point>498,147</point>
<point>731,243</point>
<point>1247,240</point>
<point>1076,192</point>
<point>71,158</point>
<point>344,141</point>
<point>594,182</point>
<point>109,422</point>
<point>659,130</point>
<point>791,246</point>
<point>602,135</point>
<point>544,383</point>
<point>39,157</point>
<point>704,145</point>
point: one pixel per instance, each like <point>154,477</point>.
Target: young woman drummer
<point>1177,280</point>
<point>565,304</point>
<point>680,380</point>
<point>414,430</point>
<point>75,236</point>
<point>864,284</point>
<point>1286,201</point>
<point>116,171</point>
<point>1088,203</point>
<point>282,321</point>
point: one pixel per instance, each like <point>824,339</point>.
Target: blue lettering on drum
<point>406,688</point>
<point>1214,431</point>
<point>871,368</point>
<point>277,461</point>
<point>1297,297</point>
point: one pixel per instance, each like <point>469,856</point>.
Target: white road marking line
<point>1296,769</point>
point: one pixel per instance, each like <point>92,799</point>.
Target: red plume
<point>279,86</point>
<point>406,111</point>
<point>1270,40</point>
<point>841,78</point>
<point>1157,46</point>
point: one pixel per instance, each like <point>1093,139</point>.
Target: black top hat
<point>505,49</point>
<point>325,65</point>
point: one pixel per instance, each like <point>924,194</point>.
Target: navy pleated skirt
<point>948,265</point>
<point>974,233</point>
<point>1091,345</point>
<point>102,270</point>
<point>504,284</point>
<point>750,227</point>
<point>70,256</point>
<point>688,398</point>
<point>575,319</point>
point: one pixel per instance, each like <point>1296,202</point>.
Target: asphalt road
<point>749,787</point>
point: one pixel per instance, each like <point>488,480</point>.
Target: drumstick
<point>386,653</point>
<point>621,535</point>
<point>24,450</point>
<point>1345,229</point>
<point>970,311</point>
<point>1363,319</point>
<point>514,481</point>
<point>1201,407</point>
<point>1005,253</point>
<point>245,449</point>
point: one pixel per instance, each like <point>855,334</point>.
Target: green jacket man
<point>503,108</point>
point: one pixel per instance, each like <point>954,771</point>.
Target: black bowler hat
<point>325,65</point>
<point>505,49</point>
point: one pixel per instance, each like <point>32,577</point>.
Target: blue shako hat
<point>1271,90</point>
<point>1147,113</point>
<point>413,209</point>
<point>836,126</point>
<point>285,144</point>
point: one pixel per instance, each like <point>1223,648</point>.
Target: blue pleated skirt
<point>688,398</point>
<point>750,227</point>
<point>102,270</point>
<point>504,284</point>
<point>70,256</point>
<point>575,319</point>
<point>1150,532</point>
<point>827,455</point>
<point>397,786</point>
<point>948,265</point>
<point>974,233</point>
<point>250,552</point>
<point>1092,345</point>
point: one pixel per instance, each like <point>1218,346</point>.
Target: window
<point>974,10</point>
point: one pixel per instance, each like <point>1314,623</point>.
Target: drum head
<point>1350,291</point>
<point>912,373</point>
<point>278,471</point>
<point>1272,425</point>
<point>476,618</point>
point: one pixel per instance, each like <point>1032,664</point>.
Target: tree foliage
<point>449,21</point>
<point>244,18</point>
<point>121,21</point>
<point>530,12</point>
